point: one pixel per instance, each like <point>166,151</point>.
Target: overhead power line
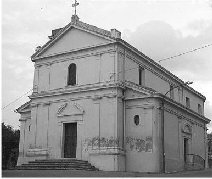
<point>180,54</point>
<point>190,51</point>
<point>17,99</point>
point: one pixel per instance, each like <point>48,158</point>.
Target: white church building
<point>99,99</point>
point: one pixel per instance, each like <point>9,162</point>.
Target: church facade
<point>97,98</point>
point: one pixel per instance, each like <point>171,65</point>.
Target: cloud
<point>27,24</point>
<point>160,40</point>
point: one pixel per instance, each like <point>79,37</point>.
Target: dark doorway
<point>70,140</point>
<point>185,148</point>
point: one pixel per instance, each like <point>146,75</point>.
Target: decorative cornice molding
<point>144,106</point>
<point>158,66</point>
<point>25,118</point>
<point>139,88</point>
<point>181,116</point>
<point>181,106</point>
<point>46,103</point>
<point>96,97</point>
<point>88,48</point>
<point>26,107</point>
<point>154,94</point>
<point>93,97</point>
<point>74,89</point>
<point>64,58</point>
<point>33,105</point>
<point>93,87</point>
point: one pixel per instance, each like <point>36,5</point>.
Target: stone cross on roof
<point>75,7</point>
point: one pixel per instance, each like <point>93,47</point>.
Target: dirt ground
<point>79,173</point>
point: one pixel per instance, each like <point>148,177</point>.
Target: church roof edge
<point>114,35</point>
<point>23,106</point>
<point>162,96</point>
<point>123,42</point>
<point>56,33</point>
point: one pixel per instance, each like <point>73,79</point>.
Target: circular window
<point>136,119</point>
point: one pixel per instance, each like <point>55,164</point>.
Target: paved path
<point>78,173</point>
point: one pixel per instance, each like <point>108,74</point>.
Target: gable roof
<point>157,65</point>
<point>75,23</point>
<point>113,35</point>
<point>24,108</point>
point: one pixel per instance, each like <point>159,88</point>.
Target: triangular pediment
<point>24,108</point>
<point>68,109</point>
<point>73,39</point>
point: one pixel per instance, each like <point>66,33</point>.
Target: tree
<point>210,149</point>
<point>10,145</point>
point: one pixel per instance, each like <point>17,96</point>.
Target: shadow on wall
<point>210,163</point>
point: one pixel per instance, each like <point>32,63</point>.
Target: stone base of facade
<point>108,159</point>
<point>32,155</point>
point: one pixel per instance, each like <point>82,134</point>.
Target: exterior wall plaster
<point>107,135</point>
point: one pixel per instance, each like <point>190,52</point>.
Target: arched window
<point>72,74</point>
<point>136,120</point>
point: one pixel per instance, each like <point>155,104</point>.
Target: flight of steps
<point>57,164</point>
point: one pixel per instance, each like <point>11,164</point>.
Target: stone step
<point>55,168</point>
<point>61,160</point>
<point>67,166</point>
<point>74,162</point>
<point>57,164</point>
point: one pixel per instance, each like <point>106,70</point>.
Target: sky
<point>158,28</point>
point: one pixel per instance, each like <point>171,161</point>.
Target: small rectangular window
<point>171,91</point>
<point>187,102</point>
<point>141,76</point>
<point>180,97</point>
<point>72,74</point>
<point>199,109</point>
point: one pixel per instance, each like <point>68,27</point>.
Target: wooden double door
<point>70,140</point>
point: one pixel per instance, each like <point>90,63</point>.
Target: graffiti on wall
<point>100,142</point>
<point>139,144</point>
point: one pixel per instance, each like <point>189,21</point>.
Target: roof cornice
<point>78,25</point>
<point>154,94</point>
<point>181,106</point>
<point>107,34</point>
<point>158,66</point>
<point>24,108</point>
<point>74,89</point>
<point>73,51</point>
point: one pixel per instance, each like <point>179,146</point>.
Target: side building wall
<point>180,127</point>
<point>143,138</point>
<point>154,78</point>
